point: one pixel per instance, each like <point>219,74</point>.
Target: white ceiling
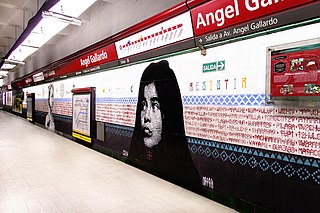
<point>101,20</point>
<point>14,17</point>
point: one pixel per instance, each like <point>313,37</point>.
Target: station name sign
<point>91,59</point>
<point>216,15</point>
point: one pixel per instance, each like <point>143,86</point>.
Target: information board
<point>82,113</point>
<point>30,107</point>
<point>295,71</point>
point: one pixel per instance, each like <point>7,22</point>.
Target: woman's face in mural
<point>151,119</point>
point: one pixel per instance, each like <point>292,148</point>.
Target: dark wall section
<point>63,124</point>
<point>258,178</point>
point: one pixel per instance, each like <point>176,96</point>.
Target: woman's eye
<point>143,104</point>
<point>156,105</point>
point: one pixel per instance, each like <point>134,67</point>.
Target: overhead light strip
<point>65,12</point>
<point>61,17</point>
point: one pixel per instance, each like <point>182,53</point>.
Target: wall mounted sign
<point>295,71</point>
<point>216,15</point>
<point>87,61</point>
<point>83,108</point>
<point>168,32</point>
<point>256,24</point>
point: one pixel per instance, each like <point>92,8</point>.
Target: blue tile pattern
<point>226,100</point>
<point>304,168</point>
<point>123,100</point>
<point>119,130</point>
<point>278,163</point>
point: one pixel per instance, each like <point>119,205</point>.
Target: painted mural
<point>204,122</point>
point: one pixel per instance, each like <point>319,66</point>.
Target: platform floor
<point>43,172</point>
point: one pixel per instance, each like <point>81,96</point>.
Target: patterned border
<point>226,100</point>
<point>290,165</point>
<point>119,130</point>
<point>124,100</point>
<point>249,156</point>
<point>55,100</point>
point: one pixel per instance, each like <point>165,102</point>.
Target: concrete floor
<point>43,172</point>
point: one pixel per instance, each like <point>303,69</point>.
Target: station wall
<point>232,141</point>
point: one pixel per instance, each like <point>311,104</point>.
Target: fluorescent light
<point>8,66</point>
<point>61,17</point>
<point>72,7</point>
<point>14,62</point>
<point>3,73</point>
<point>22,52</point>
<point>66,11</point>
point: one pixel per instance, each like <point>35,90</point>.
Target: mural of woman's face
<point>151,119</point>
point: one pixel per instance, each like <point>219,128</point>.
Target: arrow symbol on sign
<point>220,65</point>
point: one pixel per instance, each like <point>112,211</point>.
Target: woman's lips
<point>147,132</point>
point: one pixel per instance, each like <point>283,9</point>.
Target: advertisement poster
<point>295,71</point>
<point>17,97</point>
<point>81,115</point>
<point>30,107</point>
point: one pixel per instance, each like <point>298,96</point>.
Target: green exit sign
<point>214,66</point>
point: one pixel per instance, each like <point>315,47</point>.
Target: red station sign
<point>216,14</point>
<point>92,59</point>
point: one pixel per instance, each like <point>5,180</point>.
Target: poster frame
<point>31,107</point>
<point>289,100</point>
<point>91,91</point>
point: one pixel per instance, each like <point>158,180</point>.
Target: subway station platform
<point>43,172</point>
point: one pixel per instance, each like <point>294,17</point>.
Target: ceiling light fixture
<point>52,20</point>
<point>14,62</point>
<point>61,17</point>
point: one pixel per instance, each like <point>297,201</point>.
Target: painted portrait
<point>49,123</point>
<point>159,145</point>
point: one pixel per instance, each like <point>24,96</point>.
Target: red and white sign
<point>216,15</point>
<point>28,80</point>
<point>295,71</point>
<point>168,32</point>
<point>95,58</point>
<point>38,77</point>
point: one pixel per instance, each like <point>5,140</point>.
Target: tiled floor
<point>43,172</point>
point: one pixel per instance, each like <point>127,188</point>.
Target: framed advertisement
<point>17,98</point>
<point>30,107</point>
<point>294,71</point>
<point>83,113</point>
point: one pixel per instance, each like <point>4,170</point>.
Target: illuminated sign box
<point>83,113</point>
<point>168,32</point>
<point>294,71</point>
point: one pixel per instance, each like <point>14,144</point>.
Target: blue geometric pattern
<point>264,160</point>
<point>119,130</point>
<point>226,100</point>
<point>109,100</point>
<point>256,152</point>
<point>278,163</point>
<point>56,100</point>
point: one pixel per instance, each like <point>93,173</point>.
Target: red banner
<point>218,14</point>
<point>95,58</point>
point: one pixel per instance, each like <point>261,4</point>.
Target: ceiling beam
<point>14,6</point>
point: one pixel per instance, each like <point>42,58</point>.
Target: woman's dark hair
<point>168,94</point>
<point>170,159</point>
